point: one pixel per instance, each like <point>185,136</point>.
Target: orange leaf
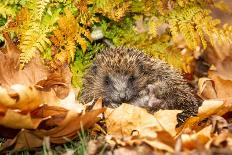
<point>223,87</point>
<point>69,127</point>
<point>15,120</point>
<point>127,118</point>
<point>20,97</point>
<point>65,130</point>
<point>207,88</point>
<point>25,140</point>
<point>168,120</point>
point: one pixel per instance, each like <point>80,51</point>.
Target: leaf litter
<point>30,103</point>
<point>38,102</point>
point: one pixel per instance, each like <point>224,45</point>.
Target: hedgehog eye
<point>107,80</point>
<point>131,78</point>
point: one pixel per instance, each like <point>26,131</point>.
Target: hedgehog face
<point>119,88</point>
<point>117,75</point>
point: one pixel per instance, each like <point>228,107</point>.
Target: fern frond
<point>113,9</point>
<point>32,41</point>
<point>32,31</point>
<point>41,5</point>
<point>11,2</point>
<point>153,26</point>
<point>68,53</point>
<point>68,34</point>
<point>6,10</point>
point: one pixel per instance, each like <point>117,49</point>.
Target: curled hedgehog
<point>127,75</point>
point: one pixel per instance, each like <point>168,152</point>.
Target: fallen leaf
<point>34,74</point>
<point>127,119</point>
<point>20,97</point>
<point>223,87</point>
<point>25,140</point>
<point>9,68</point>
<point>209,107</point>
<point>220,56</point>
<point>65,130</point>
<point>206,88</point>
<point>223,140</point>
<point>191,141</point>
<point>26,89</point>
<point>58,79</point>
<point>155,143</point>
<point>159,145</point>
<point>15,120</point>
<point>219,124</point>
<point>134,150</point>
<point>98,104</point>
<point>70,102</point>
<point>54,113</point>
<point>68,128</point>
<point>168,120</point>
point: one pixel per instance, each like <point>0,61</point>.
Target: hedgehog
<point>128,75</point>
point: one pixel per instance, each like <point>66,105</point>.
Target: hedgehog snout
<point>124,96</point>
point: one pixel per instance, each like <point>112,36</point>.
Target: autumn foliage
<point>48,45</point>
<point>30,100</point>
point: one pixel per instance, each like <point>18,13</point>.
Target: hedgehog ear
<point>94,68</point>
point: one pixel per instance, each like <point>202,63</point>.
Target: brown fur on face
<point>123,75</point>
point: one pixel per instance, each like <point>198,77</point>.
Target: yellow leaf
<point>168,120</point>
<point>209,107</point>
<point>127,119</point>
<point>192,141</point>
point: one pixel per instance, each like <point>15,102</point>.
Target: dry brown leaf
<point>70,102</point>
<point>168,120</point>
<point>55,113</point>
<point>15,120</point>
<point>208,108</point>
<point>134,150</point>
<point>20,97</point>
<point>223,140</point>
<point>206,89</point>
<point>66,129</point>
<point>127,119</point>
<point>163,141</point>
<point>223,87</point>
<point>72,123</point>
<point>9,68</point>
<point>156,144</point>
<point>221,56</point>
<point>34,73</point>
<point>98,104</point>
<point>192,141</point>
<point>25,140</point>
<point>26,89</point>
<point>48,111</point>
<point>58,79</point>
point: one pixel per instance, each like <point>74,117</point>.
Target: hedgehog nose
<point>123,97</point>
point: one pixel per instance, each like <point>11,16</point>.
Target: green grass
<point>78,146</point>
